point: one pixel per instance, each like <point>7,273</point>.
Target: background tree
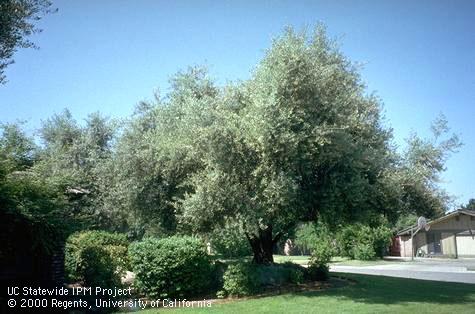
<point>470,205</point>
<point>72,161</point>
<point>422,164</point>
<point>17,18</point>
<point>17,150</point>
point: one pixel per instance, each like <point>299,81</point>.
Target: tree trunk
<point>263,246</point>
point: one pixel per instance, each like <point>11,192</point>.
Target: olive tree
<point>300,141</point>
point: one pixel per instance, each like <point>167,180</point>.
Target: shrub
<point>364,252</point>
<point>96,258</point>
<point>243,279</point>
<point>230,241</point>
<point>240,280</point>
<point>363,242</point>
<point>346,239</point>
<point>306,236</point>
<point>97,267</point>
<point>381,240</point>
<point>296,275</point>
<point>279,274</point>
<point>177,266</point>
<point>322,254</point>
<point>318,272</point>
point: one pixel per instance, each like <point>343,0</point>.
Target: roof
<point>437,220</point>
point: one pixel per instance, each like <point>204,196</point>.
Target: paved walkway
<point>438,270</point>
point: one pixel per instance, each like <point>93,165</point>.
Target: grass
<point>370,294</point>
<point>302,260</point>
<point>342,261</point>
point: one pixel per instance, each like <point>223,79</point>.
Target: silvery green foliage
<point>300,140</point>
<point>72,161</point>
<point>17,150</point>
<point>17,23</point>
<point>156,155</point>
<point>421,167</point>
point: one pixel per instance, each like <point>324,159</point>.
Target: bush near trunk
<point>323,251</point>
<point>96,258</point>
<point>244,279</point>
<point>240,280</point>
<point>230,241</point>
<point>178,266</point>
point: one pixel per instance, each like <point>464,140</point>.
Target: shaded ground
<point>370,294</point>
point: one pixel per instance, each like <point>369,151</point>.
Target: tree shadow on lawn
<point>373,289</point>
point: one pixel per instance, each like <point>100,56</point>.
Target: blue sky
<point>106,56</point>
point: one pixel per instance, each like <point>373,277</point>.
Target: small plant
<point>321,256</point>
<point>318,272</point>
<point>296,276</point>
<point>240,280</point>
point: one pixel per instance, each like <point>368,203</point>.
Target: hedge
<point>177,266</point>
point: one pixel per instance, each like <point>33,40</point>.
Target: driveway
<point>452,270</point>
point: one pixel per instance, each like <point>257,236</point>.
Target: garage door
<point>465,245</point>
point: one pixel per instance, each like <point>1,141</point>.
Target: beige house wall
<point>466,245</point>
<point>448,244</point>
<point>405,245</point>
<point>463,223</point>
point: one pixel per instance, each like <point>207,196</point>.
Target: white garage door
<point>465,245</point>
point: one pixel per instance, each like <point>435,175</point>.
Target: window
<point>457,218</point>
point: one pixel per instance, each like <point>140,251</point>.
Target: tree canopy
<point>301,140</point>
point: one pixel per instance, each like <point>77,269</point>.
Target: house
<point>452,235</point>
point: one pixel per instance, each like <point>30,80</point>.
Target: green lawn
<point>302,260</point>
<point>343,261</point>
<point>370,294</point>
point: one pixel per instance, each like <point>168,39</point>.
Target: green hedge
<point>96,258</point>
<point>363,242</point>
<point>177,266</point>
